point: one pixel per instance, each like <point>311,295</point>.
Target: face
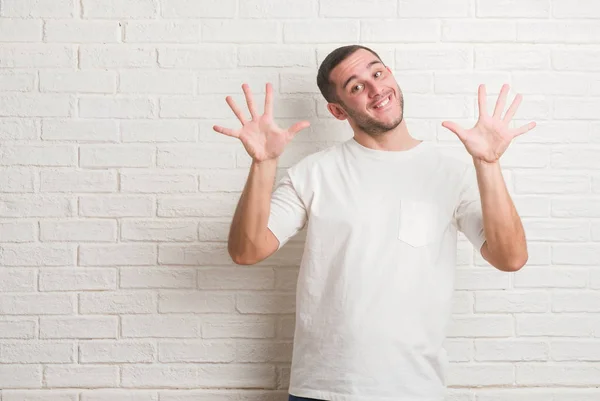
<point>368,94</point>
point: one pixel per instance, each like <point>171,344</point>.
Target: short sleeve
<point>468,213</point>
<point>288,214</point>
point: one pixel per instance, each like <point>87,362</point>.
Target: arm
<point>505,247</point>
<point>250,239</point>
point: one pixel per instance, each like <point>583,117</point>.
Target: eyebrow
<point>354,76</point>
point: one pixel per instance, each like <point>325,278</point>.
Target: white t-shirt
<point>374,293</point>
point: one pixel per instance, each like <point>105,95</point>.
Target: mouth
<point>383,104</point>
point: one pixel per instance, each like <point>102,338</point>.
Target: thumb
<point>299,126</point>
<point>454,128</point>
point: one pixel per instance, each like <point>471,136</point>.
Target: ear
<point>337,111</point>
<point>389,69</point>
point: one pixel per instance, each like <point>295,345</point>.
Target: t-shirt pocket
<point>420,222</point>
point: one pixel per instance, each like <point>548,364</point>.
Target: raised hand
<point>491,135</point>
<point>262,138</point>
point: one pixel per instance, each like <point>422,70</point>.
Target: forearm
<point>249,225</point>
<point>504,232</point>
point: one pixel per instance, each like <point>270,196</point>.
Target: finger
<point>250,101</point>
<point>482,100</point>
<point>299,126</point>
<point>226,131</point>
<point>269,100</point>
<point>457,129</point>
<point>525,128</point>
<point>236,109</point>
<point>513,108</point>
<point>501,101</point>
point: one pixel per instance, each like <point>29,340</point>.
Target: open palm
<point>261,137</point>
<point>489,138</point>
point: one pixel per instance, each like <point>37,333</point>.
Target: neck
<point>397,139</point>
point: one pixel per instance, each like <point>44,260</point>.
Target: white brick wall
<point>116,194</point>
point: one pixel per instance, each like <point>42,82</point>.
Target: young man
<point>382,209</point>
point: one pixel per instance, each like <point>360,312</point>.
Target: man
<point>382,209</point>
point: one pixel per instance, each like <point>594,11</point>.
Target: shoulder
<point>317,160</point>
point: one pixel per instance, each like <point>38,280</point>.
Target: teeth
<point>386,101</point>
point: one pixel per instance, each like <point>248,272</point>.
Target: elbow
<point>241,258</point>
<point>515,264</point>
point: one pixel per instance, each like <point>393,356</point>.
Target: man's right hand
<point>261,137</point>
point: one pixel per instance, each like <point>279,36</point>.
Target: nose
<point>374,90</point>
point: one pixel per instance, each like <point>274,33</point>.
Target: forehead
<point>355,64</point>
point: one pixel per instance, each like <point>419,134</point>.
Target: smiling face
<point>367,94</point>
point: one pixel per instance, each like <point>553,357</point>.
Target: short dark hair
<point>338,55</point>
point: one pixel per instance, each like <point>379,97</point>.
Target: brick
<point>194,9</point>
<point>25,105</point>
<point>257,352</point>
<point>114,394</point>
<point>557,231</point>
<point>575,158</point>
<point>134,9</point>
<point>159,131</point>
<point>13,130</point>
<point>116,352</point>
<point>298,82</point>
<point>106,156</point>
<point>481,374</point>
<point>458,350</point>
<point>36,304</point>
<point>201,57</point>
<point>43,352</point>
<point>158,182</point>
<point>577,109</point>
<point>160,82</point>
<point>17,280</point>
<point>554,132</point>
<point>213,82</point>
<point>119,107</point>
<point>18,329</point>
<point>121,302</point>
<point>552,277</point>
<point>195,302</point>
<point>434,9</point>
<point>40,395</point>
<point>526,157</point>
<point>576,60</point>
<point>80,231</point>
<point>197,156</point>
<point>457,82</point>
<point>78,81</point>
<point>38,8</point>
<point>557,325</point>
<point>162,32</point>
<point>235,278</point>
<point>286,327</point>
<point>79,327</point>
<point>16,82</point>
<point>565,374</point>
<point>120,254</point>
<point>478,31</point>
<point>196,351</point>
<point>14,30</point>
<point>551,83</point>
<point>20,376</point>
<point>558,32</point>
<point>159,230</point>
<point>223,180</point>
<point>81,376</point>
<point>44,155</point>
<point>194,254</point>
<point>161,326</point>
<point>16,180</point>
<point>511,350</point>
<point>85,31</point>
<point>266,303</point>
<point>215,326</point>
<point>240,31</point>
<point>78,181</point>
<point>116,56</point>
<point>514,9</point>
<point>116,206</point>
<point>501,57</point>
<point>357,9</point>
<point>278,9</point>
<point>37,255</point>
<point>574,254</point>
<point>575,350</point>
<point>433,57</point>
<point>79,130</point>
<point>77,279</point>
<point>532,206</point>
<point>36,56</point>
<point>171,277</point>
<point>570,301</point>
<point>462,302</point>
<point>36,206</point>
<point>481,326</point>
<point>557,183</point>
<point>275,56</point>
<point>319,31</point>
<point>193,107</point>
<point>575,9</point>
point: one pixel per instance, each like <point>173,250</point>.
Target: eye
<point>356,88</point>
<point>378,74</point>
